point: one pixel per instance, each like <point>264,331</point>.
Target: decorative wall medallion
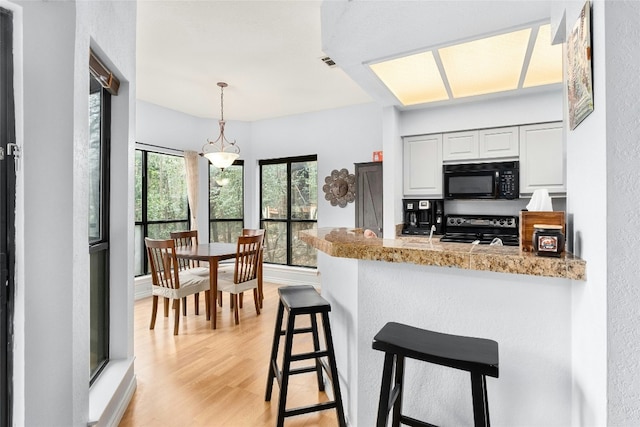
<point>340,188</point>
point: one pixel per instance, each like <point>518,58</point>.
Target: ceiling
<point>269,52</point>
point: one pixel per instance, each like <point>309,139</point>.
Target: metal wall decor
<point>340,188</point>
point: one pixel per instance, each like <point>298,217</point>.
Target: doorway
<point>7,214</point>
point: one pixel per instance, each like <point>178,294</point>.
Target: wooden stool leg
<point>316,347</point>
<point>286,368</point>
<point>480,402</point>
<point>333,367</point>
<point>385,391</point>
<point>274,353</point>
<point>397,404</point>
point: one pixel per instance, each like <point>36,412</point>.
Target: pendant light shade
<point>221,153</point>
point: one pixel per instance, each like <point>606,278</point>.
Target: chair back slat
<point>163,263</point>
<point>247,258</point>
<point>185,239</point>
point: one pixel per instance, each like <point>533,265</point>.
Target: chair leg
<point>235,309</point>
<point>274,352</point>
<point>397,404</point>
<point>154,310</point>
<point>184,306</point>
<point>207,304</point>
<point>196,301</point>
<point>166,307</point>
<point>256,301</point>
<point>241,298</point>
<point>176,323</point>
<point>220,298</point>
<point>385,391</point>
<point>480,401</point>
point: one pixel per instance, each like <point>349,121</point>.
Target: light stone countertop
<point>351,243</point>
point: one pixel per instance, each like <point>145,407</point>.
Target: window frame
<point>144,222</point>
<point>101,244</point>
<point>223,220</point>
<point>289,220</point>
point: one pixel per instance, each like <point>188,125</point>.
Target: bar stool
<point>301,300</point>
<point>476,355</point>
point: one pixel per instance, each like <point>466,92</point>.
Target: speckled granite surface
<point>350,243</point>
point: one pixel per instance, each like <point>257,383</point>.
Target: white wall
<point>51,381</point>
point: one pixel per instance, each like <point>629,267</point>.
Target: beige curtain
<point>191,162</point>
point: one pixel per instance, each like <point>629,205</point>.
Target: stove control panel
<point>477,221</point>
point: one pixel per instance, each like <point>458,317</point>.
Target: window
<point>99,140</point>
<point>160,201</point>
<point>289,202</point>
<point>226,202</point>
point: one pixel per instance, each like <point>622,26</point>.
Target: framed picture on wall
<point>579,78</point>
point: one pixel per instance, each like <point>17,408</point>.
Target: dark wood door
<point>369,196</point>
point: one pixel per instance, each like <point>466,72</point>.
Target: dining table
<point>213,253</point>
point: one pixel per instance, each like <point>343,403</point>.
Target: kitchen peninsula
<point>518,299</point>
<point>351,243</point>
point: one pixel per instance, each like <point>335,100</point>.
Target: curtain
<point>191,163</point>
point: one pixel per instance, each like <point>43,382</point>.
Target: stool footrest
<point>309,355</point>
<point>297,331</point>
<point>413,422</point>
<point>302,370</point>
<point>311,408</point>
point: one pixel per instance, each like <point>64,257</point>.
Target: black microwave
<point>498,180</point>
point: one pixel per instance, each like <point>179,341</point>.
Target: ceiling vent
<point>330,62</point>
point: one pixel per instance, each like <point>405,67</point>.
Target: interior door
<point>7,213</point>
<point>369,196</point>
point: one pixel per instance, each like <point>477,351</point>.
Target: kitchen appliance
<point>484,228</point>
<point>420,215</point>
<point>498,180</point>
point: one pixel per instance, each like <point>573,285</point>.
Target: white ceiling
<point>269,51</point>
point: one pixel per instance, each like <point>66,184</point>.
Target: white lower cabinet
<point>542,158</point>
<point>422,166</point>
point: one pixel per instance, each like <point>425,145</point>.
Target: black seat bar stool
<point>478,356</point>
<point>301,300</point>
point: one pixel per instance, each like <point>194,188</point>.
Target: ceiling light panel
<point>413,79</point>
<point>488,65</point>
<point>545,66</point>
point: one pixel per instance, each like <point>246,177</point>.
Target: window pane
<point>138,186</point>
<point>226,201</point>
<point>225,231</point>
<point>138,251</point>
<point>166,187</point>
<point>274,191</point>
<point>304,190</point>
<point>275,247</point>
<point>95,161</point>
<point>98,310</point>
<point>162,231</point>
<point>301,253</point>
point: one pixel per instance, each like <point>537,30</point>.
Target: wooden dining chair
<point>187,239</point>
<point>245,273</point>
<point>169,281</point>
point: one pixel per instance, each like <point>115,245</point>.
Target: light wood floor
<point>204,377</point>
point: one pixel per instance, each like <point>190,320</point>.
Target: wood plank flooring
<point>205,377</point>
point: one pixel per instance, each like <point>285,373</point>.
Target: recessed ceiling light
<point>413,79</point>
<point>488,65</point>
<point>545,66</point>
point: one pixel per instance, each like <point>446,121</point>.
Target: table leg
<point>213,290</point>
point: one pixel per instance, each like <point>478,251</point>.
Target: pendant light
<point>221,153</point>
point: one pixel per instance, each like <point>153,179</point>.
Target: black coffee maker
<point>421,214</point>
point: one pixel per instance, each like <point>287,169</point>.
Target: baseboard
<point>273,273</point>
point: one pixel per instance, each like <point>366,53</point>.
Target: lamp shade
<point>221,159</point>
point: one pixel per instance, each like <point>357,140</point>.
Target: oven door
<point>471,185</point>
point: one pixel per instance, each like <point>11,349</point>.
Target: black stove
<point>484,228</point>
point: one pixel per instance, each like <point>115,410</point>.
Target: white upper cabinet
<point>482,144</point>
<point>498,142</point>
<point>460,145</point>
<point>542,158</point>
<point>422,169</point>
